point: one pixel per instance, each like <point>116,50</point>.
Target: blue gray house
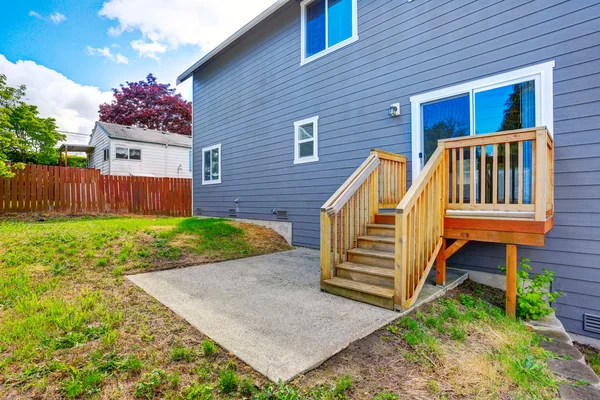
<point>286,113</point>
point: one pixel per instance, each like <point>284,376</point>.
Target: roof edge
<point>261,17</point>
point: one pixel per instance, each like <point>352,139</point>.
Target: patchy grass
<point>460,346</point>
<point>592,356</point>
<point>72,327</point>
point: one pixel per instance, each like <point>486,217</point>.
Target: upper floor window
<point>306,140</point>
<point>327,25</point>
<point>211,160</point>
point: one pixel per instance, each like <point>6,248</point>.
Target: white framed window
<point>517,99</point>
<point>306,140</point>
<point>326,26</point>
<point>211,165</point>
<point>126,153</point>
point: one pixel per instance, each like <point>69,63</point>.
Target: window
<point>106,154</point>
<point>190,160</point>
<point>513,100</point>
<point>306,134</point>
<point>327,25</point>
<point>211,160</point>
<point>124,153</point>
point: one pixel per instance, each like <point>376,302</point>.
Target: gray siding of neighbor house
<point>248,98</point>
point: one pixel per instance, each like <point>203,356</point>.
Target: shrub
<point>228,381</point>
<point>180,353</point>
<point>533,299</point>
<point>208,347</point>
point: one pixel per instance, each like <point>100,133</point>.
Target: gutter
<point>213,53</point>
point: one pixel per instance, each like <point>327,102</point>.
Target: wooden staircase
<point>368,275</point>
<point>383,257</point>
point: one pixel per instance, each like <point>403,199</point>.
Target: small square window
<point>306,140</point>
<point>122,153</point>
<point>135,154</point>
<point>211,160</point>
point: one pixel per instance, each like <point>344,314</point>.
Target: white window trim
<point>541,73</point>
<point>305,60</point>
<point>204,150</point>
<point>128,153</point>
<point>315,139</point>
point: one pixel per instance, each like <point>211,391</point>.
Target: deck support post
<point>440,266</point>
<point>325,249</point>
<point>511,280</point>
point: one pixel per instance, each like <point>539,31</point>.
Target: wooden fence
<point>40,188</point>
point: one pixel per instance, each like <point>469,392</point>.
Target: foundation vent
<point>198,211</point>
<point>281,214</point>
<point>232,212</point>
<point>591,323</point>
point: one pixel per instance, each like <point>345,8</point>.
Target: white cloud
<point>106,53</point>
<point>166,25</point>
<point>74,106</point>
<point>148,49</point>
<point>57,17</point>
<point>35,14</point>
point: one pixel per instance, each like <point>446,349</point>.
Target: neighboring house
<point>288,107</point>
<point>128,150</point>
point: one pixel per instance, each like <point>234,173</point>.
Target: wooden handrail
<point>419,230</point>
<point>379,180</point>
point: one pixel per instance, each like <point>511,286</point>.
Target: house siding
<point>249,96</point>
<point>157,160</point>
<point>100,141</point>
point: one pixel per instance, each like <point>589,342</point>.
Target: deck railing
<point>379,180</point>
<point>502,172</point>
<point>419,229</point>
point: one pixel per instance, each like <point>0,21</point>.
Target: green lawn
<point>72,327</point>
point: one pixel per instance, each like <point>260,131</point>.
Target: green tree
<point>7,137</point>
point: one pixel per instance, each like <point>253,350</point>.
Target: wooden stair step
<point>381,226</point>
<point>367,269</point>
<point>374,238</point>
<point>372,253</point>
<point>359,291</point>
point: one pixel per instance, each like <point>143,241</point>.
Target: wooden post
<point>325,251</point>
<point>440,266</point>
<point>541,171</point>
<point>511,280</point>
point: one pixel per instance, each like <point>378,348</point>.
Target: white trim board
<point>542,73</point>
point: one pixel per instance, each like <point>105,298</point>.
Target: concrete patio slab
<point>269,310</point>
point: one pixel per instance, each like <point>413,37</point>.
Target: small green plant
<point>102,262</point>
<point>151,383</point>
<point>247,387</point>
<point>393,329</point>
<point>208,347</point>
<point>118,271</point>
<point>386,396</point>
<point>533,299</point>
<point>228,381</point>
<point>197,391</point>
<point>342,386</point>
<point>181,353</point>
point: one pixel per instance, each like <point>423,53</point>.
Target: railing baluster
<point>453,180</point>
<point>462,174</point>
<point>494,174</point>
<point>506,173</point>
<point>472,175</point>
<point>520,172</point>
<point>483,173</point>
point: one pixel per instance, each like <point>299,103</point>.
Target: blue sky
<point>71,53</point>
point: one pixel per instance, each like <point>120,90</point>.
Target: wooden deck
<point>496,188</point>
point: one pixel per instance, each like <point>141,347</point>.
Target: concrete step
<point>366,274</point>
<point>373,242</point>
<point>366,293</point>
<point>386,230</point>
<point>375,258</point>
<point>385,218</point>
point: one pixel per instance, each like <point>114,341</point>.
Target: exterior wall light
<point>394,110</point>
